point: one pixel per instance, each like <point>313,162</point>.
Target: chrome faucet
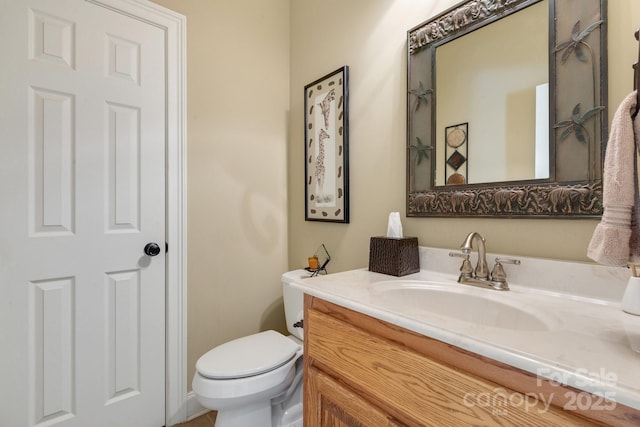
<point>482,269</point>
<point>480,275</point>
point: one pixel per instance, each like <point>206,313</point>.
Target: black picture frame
<point>326,148</point>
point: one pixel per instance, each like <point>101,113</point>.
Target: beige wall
<point>248,62</point>
<point>238,98</point>
<point>370,37</point>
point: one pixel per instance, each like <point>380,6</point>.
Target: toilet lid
<point>247,356</point>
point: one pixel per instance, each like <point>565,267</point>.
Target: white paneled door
<point>82,186</point>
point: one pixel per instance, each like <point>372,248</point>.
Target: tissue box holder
<point>394,256</point>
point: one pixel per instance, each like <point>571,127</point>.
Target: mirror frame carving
<point>539,198</point>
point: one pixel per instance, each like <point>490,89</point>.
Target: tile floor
<point>206,420</point>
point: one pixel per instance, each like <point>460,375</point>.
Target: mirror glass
<point>490,82</point>
<point>506,110</point>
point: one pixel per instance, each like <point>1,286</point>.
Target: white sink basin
<point>462,302</point>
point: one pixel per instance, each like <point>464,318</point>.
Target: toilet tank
<point>293,300</point>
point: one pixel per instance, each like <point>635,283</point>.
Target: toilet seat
<point>247,356</point>
<point>262,364</point>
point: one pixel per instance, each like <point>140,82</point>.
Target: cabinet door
<point>331,404</point>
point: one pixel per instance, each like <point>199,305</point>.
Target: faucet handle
<point>466,269</point>
<point>507,261</point>
<point>458,255</point>
<point>498,274</point>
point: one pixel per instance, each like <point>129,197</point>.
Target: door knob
<point>152,249</point>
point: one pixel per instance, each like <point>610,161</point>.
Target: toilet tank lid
<point>247,356</point>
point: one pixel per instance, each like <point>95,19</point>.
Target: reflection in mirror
<point>506,109</point>
<point>488,79</point>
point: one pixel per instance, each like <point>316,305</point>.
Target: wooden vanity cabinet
<point>361,371</point>
<point>340,406</point>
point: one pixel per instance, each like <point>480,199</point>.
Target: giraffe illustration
<point>319,172</point>
<point>325,106</point>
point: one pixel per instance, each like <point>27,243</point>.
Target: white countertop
<point>589,342</point>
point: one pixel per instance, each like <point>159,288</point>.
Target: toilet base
<point>292,417</point>
<point>257,414</point>
<point>284,410</point>
<point>288,413</point>
<point>261,414</point>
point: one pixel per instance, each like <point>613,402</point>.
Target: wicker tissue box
<point>394,256</point>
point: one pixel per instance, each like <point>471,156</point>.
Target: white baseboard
<point>194,408</point>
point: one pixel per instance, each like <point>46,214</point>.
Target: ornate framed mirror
<point>507,110</point>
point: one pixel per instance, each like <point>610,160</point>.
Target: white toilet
<point>256,381</point>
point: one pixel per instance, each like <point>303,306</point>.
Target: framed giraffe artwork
<point>326,148</point>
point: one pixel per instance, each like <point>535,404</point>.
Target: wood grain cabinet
<point>361,371</point>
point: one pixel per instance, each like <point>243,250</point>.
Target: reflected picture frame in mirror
<point>571,184</point>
